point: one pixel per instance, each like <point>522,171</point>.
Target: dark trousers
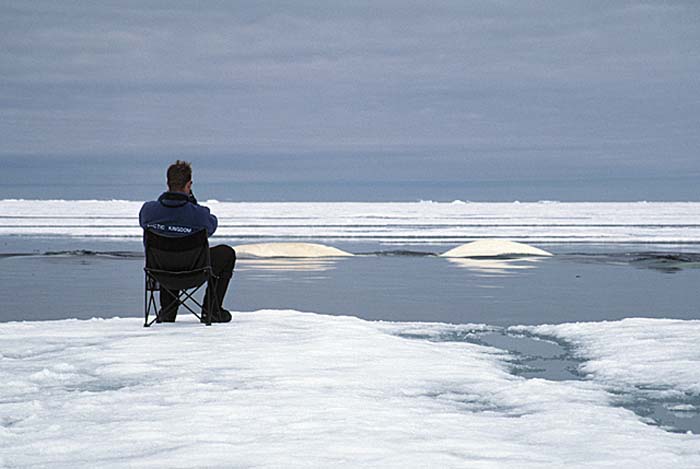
<point>223,261</point>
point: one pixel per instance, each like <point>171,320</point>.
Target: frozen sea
<point>392,357</point>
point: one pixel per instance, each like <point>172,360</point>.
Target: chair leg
<point>186,296</point>
<point>149,302</point>
<point>211,298</point>
<point>146,305</point>
<point>182,299</point>
<point>151,306</point>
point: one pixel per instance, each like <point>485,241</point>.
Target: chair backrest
<point>177,261</point>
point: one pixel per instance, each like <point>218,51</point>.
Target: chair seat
<point>179,280</point>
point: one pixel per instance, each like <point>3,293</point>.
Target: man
<point>176,213</point>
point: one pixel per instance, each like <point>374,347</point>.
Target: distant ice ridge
<point>288,389</point>
<point>419,222</point>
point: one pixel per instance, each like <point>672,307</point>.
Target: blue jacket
<point>176,214</point>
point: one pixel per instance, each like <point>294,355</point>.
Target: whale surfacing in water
<point>302,250</point>
<point>494,248</point>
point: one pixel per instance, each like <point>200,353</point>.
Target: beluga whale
<point>495,248</point>
<point>291,250</point>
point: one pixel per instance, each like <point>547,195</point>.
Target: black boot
<point>220,315</point>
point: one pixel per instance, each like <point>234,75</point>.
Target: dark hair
<point>179,174</point>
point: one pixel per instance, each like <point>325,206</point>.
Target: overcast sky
<point>526,87</point>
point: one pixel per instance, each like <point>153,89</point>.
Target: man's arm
<point>206,219</point>
<point>192,198</point>
<point>142,218</point>
<point>212,223</point>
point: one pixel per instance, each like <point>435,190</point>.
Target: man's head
<point>180,177</point>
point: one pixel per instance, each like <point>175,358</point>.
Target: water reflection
<point>495,266</point>
<point>287,264</point>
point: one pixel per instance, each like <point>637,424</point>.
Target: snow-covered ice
<point>659,356</point>
<point>291,389</point>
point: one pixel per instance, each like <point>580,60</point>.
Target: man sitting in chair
<point>176,213</point>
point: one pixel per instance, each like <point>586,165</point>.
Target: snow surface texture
<point>659,356</point>
<point>494,247</point>
<point>305,250</point>
<point>287,389</point>
<point>420,222</point>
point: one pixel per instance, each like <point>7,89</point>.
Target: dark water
<point>105,279</point>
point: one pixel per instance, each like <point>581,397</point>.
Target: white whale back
<point>288,250</point>
<point>493,248</point>
<point>480,248</point>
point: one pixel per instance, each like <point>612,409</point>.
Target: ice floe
<point>444,223</point>
<point>659,356</point>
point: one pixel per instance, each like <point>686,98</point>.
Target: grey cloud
<point>615,78</point>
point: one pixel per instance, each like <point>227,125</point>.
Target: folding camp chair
<point>179,266</point>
